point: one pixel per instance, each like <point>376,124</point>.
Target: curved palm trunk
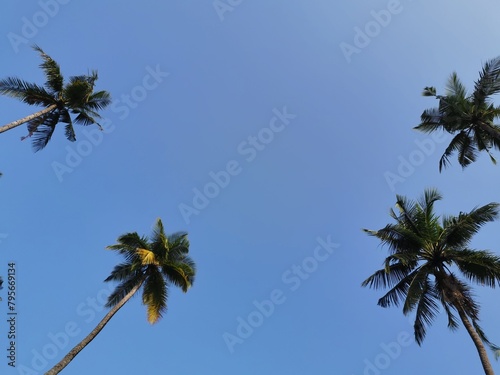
<point>488,370</point>
<point>79,347</point>
<point>27,118</point>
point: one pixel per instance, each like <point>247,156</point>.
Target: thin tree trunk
<point>79,347</point>
<point>27,118</point>
<point>488,370</point>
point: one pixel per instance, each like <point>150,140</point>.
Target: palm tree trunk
<point>27,118</point>
<point>79,347</point>
<point>488,370</point>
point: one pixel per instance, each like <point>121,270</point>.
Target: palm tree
<point>468,117</point>
<point>423,249</point>
<point>149,263</point>
<point>58,99</point>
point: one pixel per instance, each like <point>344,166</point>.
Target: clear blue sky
<point>192,87</point>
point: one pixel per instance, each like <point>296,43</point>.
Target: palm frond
<point>442,287</point>
<point>455,88</point>
<point>52,72</point>
<point>460,229</point>
<point>494,141</point>
<point>417,288</point>
<point>123,289</point>
<point>430,121</point>
<point>69,131</point>
<point>129,242</point>
<point>426,312</point>
<point>146,257</point>
<point>178,246</point>
<point>84,118</point>
<point>41,129</point>
<point>479,266</point>
<point>453,322</point>
<point>407,259</point>
<point>398,292</point>
<point>160,241</point>
<point>427,201</point>
<point>397,238</point>
<point>98,101</point>
<point>482,140</point>
<point>122,271</point>
<point>180,274</point>
<point>467,151</point>
<point>461,144</point>
<point>455,112</point>
<point>155,295</point>
<point>27,92</point>
<point>489,81</point>
<point>387,277</point>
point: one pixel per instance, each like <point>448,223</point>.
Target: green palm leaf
<point>455,87</point>
<point>426,310</point>
<point>52,72</point>
<point>29,93</point>
<point>154,296</point>
<point>124,288</point>
<point>489,81</point>
<point>461,144</point>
